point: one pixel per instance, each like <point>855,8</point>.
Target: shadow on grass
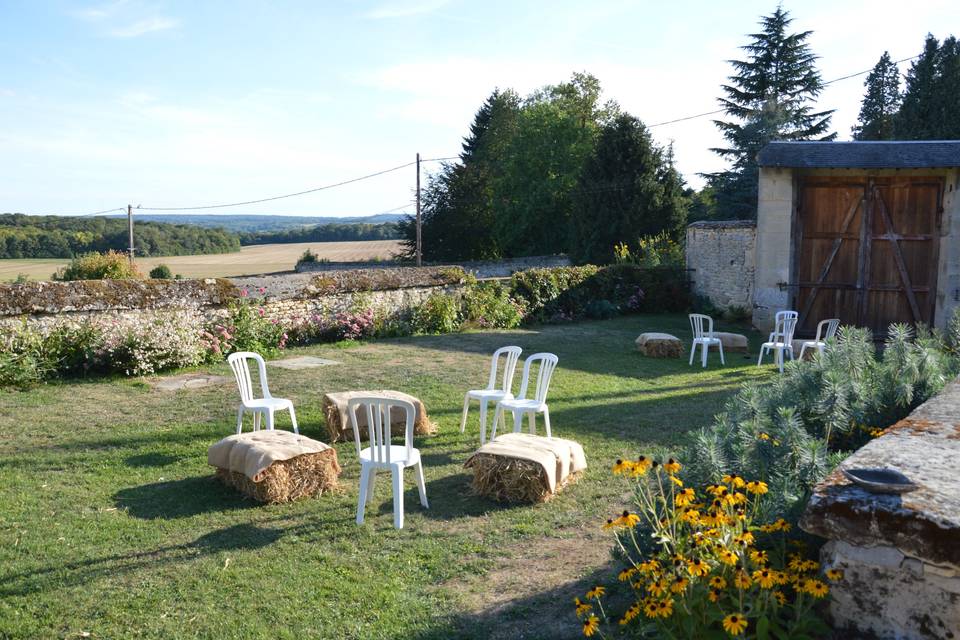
<point>152,460</point>
<point>179,499</point>
<point>238,537</point>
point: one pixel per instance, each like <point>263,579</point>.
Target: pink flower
<point>244,293</point>
<point>262,290</point>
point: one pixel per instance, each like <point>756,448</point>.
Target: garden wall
<point>480,269</point>
<point>721,258</point>
<point>900,553</point>
<point>285,298</point>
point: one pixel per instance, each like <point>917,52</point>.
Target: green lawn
<point>111,525</point>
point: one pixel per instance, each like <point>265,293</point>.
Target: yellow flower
<point>757,487</point>
<point>744,539</point>
<point>650,566</point>
<point>713,488</point>
<point>595,593</point>
<point>735,624</point>
<point>640,467</point>
<point>734,480</point>
<point>795,562</point>
<point>610,524</point>
<point>627,520</point>
<point>665,608</point>
<point>582,607</point>
<point>741,580</point>
<point>816,588</point>
<point>697,567</point>
<point>622,466</point>
<point>728,557</point>
<point>781,598</point>
<point>658,587</point>
<point>690,515</point>
<point>713,595</point>
<point>671,466</point>
<point>739,498</point>
<point>626,574</point>
<point>758,557</point>
<point>765,578</point>
<point>679,586</point>
<point>685,497</point>
<point>630,613</point>
<point>591,625</point>
<point>809,565</point>
<point>709,520</point>
<point>677,481</point>
<point>763,435</point>
<point>678,560</point>
<point>718,582</point>
<point>834,574</point>
<point>783,525</point>
<point>768,528</point>
<point>650,609</point>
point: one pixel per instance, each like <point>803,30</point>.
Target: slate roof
<point>895,154</point>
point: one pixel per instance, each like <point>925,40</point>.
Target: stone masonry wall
<point>480,268</point>
<point>721,257</point>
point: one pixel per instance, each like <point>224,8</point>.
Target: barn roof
<point>895,154</point>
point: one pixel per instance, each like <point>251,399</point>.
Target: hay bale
<point>338,423</point>
<point>659,345</point>
<point>511,479</point>
<point>307,475</point>
<point>733,342</point>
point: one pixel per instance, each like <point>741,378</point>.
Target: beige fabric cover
<point>252,452</point>
<point>344,428</point>
<point>558,457</point>
<point>732,341</point>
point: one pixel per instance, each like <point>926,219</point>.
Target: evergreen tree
<point>915,120</point>
<point>628,189</point>
<point>770,96</point>
<point>881,102</point>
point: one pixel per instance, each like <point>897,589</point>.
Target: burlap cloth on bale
<point>339,425</point>
<point>560,461</point>
<point>274,465</point>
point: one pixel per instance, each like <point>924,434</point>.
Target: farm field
<point>250,260</point>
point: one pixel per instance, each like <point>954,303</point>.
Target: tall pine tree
<point>881,102</point>
<point>771,97</point>
<point>931,100</point>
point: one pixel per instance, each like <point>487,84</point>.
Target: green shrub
<point>248,329</point>
<point>538,288</point>
<point>600,309</point>
<point>489,305</point>
<point>307,256</point>
<point>439,313</point>
<point>23,362</point>
<point>652,251</point>
<point>111,265</point>
<point>161,272</point>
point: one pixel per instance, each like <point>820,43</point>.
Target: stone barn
<point>868,232</point>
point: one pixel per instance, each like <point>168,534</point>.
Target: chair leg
<point>397,472</point>
<point>517,420</point>
<point>803,349</point>
<point>483,421</point>
<point>371,484</point>
<point>270,421</point>
<point>780,359</point>
<point>760,359</point>
<point>293,420</point>
<point>466,409</point>
<point>422,486</point>
<point>532,422</point>
<point>722,361</point>
<point>693,351</point>
<point>497,417</point>
<point>546,421</point>
<point>365,472</point>
<point>256,420</point>
<point>704,350</point>
<point>239,420</point>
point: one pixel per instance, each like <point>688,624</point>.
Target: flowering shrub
<point>111,265</point>
<point>439,313</point>
<point>151,342</point>
<point>704,564</point>
<point>350,325</point>
<point>246,329</point>
<point>487,305</point>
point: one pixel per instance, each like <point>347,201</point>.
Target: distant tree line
<point>344,232</point>
<point>23,236</point>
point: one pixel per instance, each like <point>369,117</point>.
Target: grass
<point>250,260</point>
<point>111,524</point>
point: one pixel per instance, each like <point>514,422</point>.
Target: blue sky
<point>194,102</point>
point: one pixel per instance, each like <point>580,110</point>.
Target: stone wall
<point>774,213</point>
<point>900,553</point>
<point>720,256</point>
<point>286,298</point>
<point>480,268</point>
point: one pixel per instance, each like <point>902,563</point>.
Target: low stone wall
<point>900,553</point>
<point>286,297</point>
<point>479,269</point>
<point>721,258</point>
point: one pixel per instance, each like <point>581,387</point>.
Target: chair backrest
<point>548,362</point>
<point>511,355</point>
<point>697,322</point>
<point>378,411</point>
<point>785,324</point>
<point>827,329</point>
<point>241,371</point>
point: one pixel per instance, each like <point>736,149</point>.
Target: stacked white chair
<point>264,406</point>
<point>826,329</point>
<point>492,392</point>
<point>382,455</point>
<point>781,340</point>
<point>530,406</point>
<point>702,328</point>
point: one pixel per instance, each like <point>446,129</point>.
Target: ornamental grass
<point>703,564</point>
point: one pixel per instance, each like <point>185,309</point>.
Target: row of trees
<point>23,236</point>
<point>559,171</point>
<point>334,232</point>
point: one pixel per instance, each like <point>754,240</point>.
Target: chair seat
<point>527,405</point>
<point>706,340</point>
<point>398,455</point>
<point>814,343</point>
<point>777,345</point>
<point>268,403</point>
<point>489,394</point>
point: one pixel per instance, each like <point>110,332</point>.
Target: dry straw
<point>512,479</point>
<point>304,476</point>
<point>422,425</point>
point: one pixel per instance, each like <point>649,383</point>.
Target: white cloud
<point>404,9</point>
<point>142,27</point>
<point>99,12</point>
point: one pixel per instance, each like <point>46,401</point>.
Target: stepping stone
<point>188,381</point>
<point>302,362</point>
<point>733,341</point>
<point>659,345</point>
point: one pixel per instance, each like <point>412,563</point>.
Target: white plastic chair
<point>381,454</point>
<point>703,337</point>
<point>826,329</point>
<point>504,392</point>
<point>530,406</point>
<point>781,340</point>
<point>266,405</point>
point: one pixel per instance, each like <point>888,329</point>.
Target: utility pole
<point>130,230</point>
<point>419,236</point>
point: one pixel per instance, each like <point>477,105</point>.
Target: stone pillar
<point>774,215</point>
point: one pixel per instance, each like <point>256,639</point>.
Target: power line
<point>716,111</point>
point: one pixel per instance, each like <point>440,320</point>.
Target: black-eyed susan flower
<point>727,557</point>
<point>658,587</point>
<point>735,624</point>
<point>582,607</point>
<point>783,525</point>
<point>697,567</point>
<point>816,588</point>
<point>713,595</point>
<point>780,597</point>
<point>650,566</point>
<point>622,466</point>
<point>671,466</point>
<point>734,480</point>
<point>595,593</point>
<point>834,574</point>
<point>650,609</point>
<point>809,565</point>
<point>640,467</point>
<point>757,487</point>
<point>741,580</point>
<point>678,560</point>
<point>690,515</point>
<point>626,574</point>
<point>665,608</point>
<point>680,585</point>
<point>718,582</point>
<point>758,557</point>
<point>677,481</point>
<point>591,625</point>
<point>765,578</point>
<point>744,539</point>
<point>630,613</point>
<point>609,524</point>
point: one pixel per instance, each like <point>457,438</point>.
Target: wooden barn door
<point>866,251</point>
